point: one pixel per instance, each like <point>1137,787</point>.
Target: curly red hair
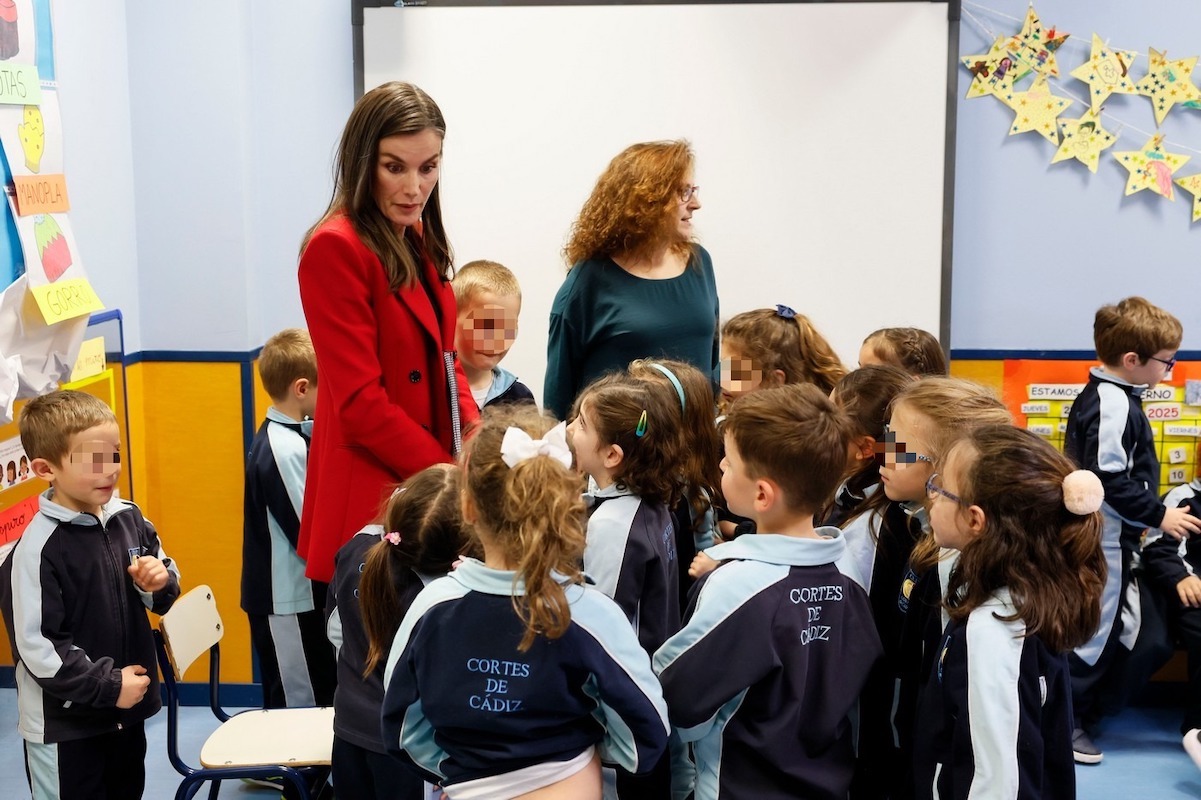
<point>628,210</point>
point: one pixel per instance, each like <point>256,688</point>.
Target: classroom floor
<point>1143,758</point>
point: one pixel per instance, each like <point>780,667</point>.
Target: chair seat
<point>294,737</point>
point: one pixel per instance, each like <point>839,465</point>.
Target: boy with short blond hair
<point>489,302</point>
<point>1108,433</point>
<point>774,721</point>
<point>74,593</point>
<point>296,661</point>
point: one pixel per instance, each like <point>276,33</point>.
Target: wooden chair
<point>292,744</point>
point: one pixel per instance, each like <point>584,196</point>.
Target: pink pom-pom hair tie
<point>1082,492</point>
<point>392,537</point>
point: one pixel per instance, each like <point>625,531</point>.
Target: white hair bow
<point>517,446</point>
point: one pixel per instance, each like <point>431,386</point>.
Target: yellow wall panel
<point>192,491</point>
<point>990,373</point>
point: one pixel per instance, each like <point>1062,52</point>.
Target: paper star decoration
<point>1036,110</point>
<point>1168,83</point>
<point>1106,72</point>
<point>1083,140</point>
<point>1035,47</point>
<point>992,71</point>
<point>1192,185</point>
<point>1151,168</point>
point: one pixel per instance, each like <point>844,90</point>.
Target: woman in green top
<point>638,286</point>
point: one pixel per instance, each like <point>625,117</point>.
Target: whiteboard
<point>818,130</point>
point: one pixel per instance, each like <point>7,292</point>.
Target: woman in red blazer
<point>374,283</point>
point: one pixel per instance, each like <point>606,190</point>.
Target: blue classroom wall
<point>1039,247</point>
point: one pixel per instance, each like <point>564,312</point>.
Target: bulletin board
<point>819,131</point>
<point>1042,237</point>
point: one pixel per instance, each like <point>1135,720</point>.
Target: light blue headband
<point>674,382</point>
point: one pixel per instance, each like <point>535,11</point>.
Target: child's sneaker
<point>1085,752</point>
<point>1192,746</point>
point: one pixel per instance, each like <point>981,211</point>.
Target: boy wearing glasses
<point>778,643</point>
<point>1108,433</point>
<point>74,594</point>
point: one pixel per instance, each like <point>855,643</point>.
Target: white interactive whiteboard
<point>818,128</point>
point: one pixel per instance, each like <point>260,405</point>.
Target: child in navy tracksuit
<point>691,391</point>
<point>926,418</point>
<point>995,711</point>
<point>1173,566</point>
<point>488,299</point>
<point>510,675</point>
<point>626,438</point>
<point>1108,433</point>
<point>879,537</point>
<point>376,576</point>
<point>74,592</point>
<point>285,608</point>
<point>764,676</point>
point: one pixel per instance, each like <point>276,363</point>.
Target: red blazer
<point>383,405</point>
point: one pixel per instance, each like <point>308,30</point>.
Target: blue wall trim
<point>1046,355</point>
<point>195,356</point>
<point>248,357</point>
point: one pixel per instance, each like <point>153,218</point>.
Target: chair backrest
<point>190,628</point>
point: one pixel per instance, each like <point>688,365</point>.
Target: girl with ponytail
<point>1026,590</point>
<point>510,678</point>
<point>376,576</point>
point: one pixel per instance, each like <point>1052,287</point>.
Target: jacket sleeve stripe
<point>35,651</point>
<point>994,651</point>
<point>1111,427</point>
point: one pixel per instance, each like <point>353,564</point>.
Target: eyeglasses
<point>1167,362</point>
<point>687,192</point>
<point>891,447</point>
<point>933,490</point>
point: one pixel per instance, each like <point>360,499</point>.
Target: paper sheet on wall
<point>48,246</point>
<point>18,53</point>
<point>18,35</point>
<point>34,357</point>
<point>33,144</point>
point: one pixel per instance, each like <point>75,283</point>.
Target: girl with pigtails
<point>509,677</point>
<point>996,707</point>
<point>376,576</point>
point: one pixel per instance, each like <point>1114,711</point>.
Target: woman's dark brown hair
<point>391,109</point>
<point>426,512</point>
<point>700,455</point>
<point>1049,558</point>
<point>652,463</point>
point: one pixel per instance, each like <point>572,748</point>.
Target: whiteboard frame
<point>953,14</point>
